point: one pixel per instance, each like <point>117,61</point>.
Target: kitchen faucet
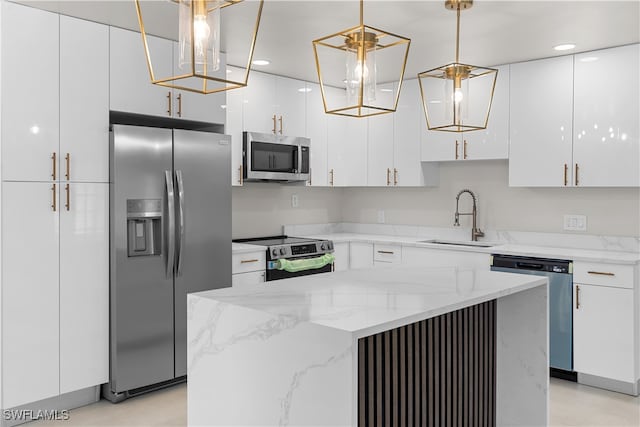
<point>475,231</point>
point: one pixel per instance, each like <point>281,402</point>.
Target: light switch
<point>294,200</point>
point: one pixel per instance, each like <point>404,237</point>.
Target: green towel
<point>304,264</point>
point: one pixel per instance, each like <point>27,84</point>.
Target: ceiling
<point>492,32</point>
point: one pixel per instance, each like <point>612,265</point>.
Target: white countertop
<point>589,255</point>
<point>365,302</point>
<point>242,248</point>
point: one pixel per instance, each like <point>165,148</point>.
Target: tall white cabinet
<point>54,212</point>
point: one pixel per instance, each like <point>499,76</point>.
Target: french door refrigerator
<point>170,225</point>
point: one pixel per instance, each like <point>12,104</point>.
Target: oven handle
<point>296,265</point>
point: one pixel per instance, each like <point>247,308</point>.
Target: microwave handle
<point>298,159</point>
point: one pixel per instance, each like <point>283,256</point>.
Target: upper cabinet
<point>574,120</point>
<point>490,143</point>
<point>131,89</point>
<point>316,131</point>
<point>606,144</point>
<point>274,104</point>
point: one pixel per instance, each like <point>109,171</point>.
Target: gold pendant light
<point>457,97</point>
<point>360,70</point>
<point>196,64</point>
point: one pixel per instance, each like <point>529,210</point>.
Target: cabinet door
<point>438,146</point>
<point>247,279</point>
<point>360,255</point>
<point>30,314</point>
<point>30,89</point>
<point>493,142</point>
<point>196,106</point>
<point>341,252</point>
<point>84,100</point>
<point>603,332</point>
<point>259,103</point>
<point>233,125</point>
<point>380,142</point>
<point>541,94</point>
<point>290,106</point>
<point>606,144</point>
<point>316,130</point>
<point>131,89</point>
<point>84,286</point>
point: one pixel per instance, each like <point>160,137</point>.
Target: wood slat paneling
<point>438,372</point>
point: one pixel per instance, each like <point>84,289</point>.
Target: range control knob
<point>274,252</point>
<point>323,247</point>
<point>283,251</point>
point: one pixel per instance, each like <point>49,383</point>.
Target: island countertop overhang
<point>365,302</point>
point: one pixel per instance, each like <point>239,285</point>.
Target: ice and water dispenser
<point>144,227</point>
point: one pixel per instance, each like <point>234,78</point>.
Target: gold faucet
<point>475,231</point>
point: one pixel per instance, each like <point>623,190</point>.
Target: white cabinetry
<point>347,151</point>
<point>131,89</point>
<point>606,137</point>
<point>234,125</point>
<point>380,165</point>
<point>603,321</point>
<point>385,255</point>
<point>428,257</point>
<point>316,131</point>
<point>360,255</point>
<point>341,252</point>
<point>490,143</point>
<point>248,268</point>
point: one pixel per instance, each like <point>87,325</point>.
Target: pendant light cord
<point>361,12</point>
<point>458,33</point>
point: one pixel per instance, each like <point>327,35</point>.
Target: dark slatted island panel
<point>437,372</point>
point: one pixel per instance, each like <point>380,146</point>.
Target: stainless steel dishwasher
<point>560,274</point>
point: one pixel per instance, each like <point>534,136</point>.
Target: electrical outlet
<point>380,217</point>
<point>575,222</point>
<point>294,200</point>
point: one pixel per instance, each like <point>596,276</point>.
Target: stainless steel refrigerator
<point>170,219</point>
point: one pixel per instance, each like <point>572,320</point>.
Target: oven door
<point>275,274</point>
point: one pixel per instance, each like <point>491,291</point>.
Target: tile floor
<point>571,405</point>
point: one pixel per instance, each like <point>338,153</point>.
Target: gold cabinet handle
<point>331,177</point>
<point>388,176</point>
<point>280,119</point>
<point>566,170</point>
<point>274,124</point>
<point>576,177</point>
<point>240,175</point>
<point>179,105</point>
<point>54,159</point>
<point>457,149</point>
<point>247,261</point>
<point>169,101</point>
<point>53,191</point>
<point>68,203</point>
<point>386,252</point>
<point>601,273</point>
<point>395,176</point>
<point>310,175</point>
<point>464,149</point>
<point>577,297</point>
<point>68,161</point>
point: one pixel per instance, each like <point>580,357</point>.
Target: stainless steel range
<point>294,256</point>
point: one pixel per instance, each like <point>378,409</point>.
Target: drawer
<point>387,253</point>
<point>249,261</point>
<point>248,279</point>
<point>593,273</point>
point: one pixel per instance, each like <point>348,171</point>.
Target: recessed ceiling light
<point>260,62</point>
<point>567,46</point>
<point>304,89</point>
<point>589,59</point>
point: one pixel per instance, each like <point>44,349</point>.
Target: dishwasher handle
<point>529,266</point>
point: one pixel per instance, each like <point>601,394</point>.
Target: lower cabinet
<point>248,279</point>
<point>360,255</point>
<point>55,290</point>
<point>385,255</point>
<point>341,252</point>
<point>603,340</point>
<point>248,268</point>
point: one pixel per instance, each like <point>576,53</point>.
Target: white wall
<point>609,211</point>
<point>261,209</point>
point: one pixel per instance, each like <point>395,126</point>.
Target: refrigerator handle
<point>171,209</point>
<point>181,222</point>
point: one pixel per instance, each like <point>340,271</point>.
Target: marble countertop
<point>241,248</point>
<point>365,302</point>
<point>589,255</point>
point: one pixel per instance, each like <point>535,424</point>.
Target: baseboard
<point>54,408</point>
<point>609,384</point>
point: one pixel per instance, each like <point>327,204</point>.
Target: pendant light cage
<point>457,97</point>
<point>194,64</point>
<point>360,70</point>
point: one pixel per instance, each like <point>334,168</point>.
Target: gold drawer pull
<point>388,176</point>
<point>54,160</point>
<point>246,261</point>
<point>601,273</point>
<point>577,297</point>
<point>386,252</point>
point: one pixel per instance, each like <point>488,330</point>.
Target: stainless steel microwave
<point>268,157</point>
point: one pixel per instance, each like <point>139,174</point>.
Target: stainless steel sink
<point>459,243</point>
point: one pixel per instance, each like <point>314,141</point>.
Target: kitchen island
<point>371,347</point>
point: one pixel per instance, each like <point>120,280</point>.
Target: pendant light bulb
<point>200,19</point>
<point>201,34</point>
